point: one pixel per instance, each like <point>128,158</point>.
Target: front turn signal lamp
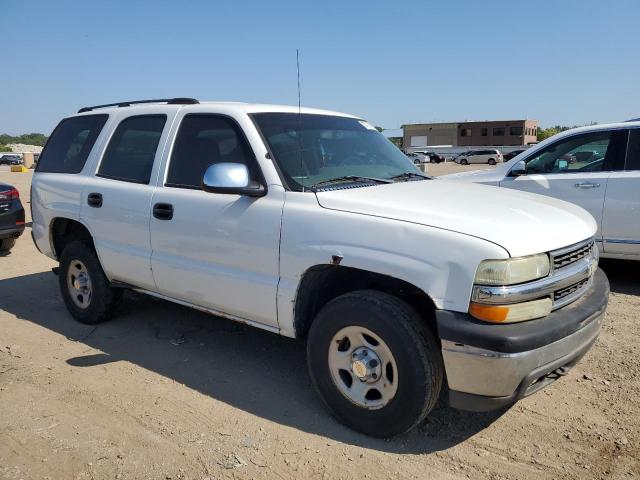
<point>517,312</point>
<point>511,271</point>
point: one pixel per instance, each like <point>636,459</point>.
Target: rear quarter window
<point>70,143</point>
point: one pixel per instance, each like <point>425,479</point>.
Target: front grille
<point>558,294</point>
<point>565,259</point>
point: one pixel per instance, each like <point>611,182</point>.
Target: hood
<point>522,223</point>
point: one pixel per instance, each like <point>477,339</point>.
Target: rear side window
<point>203,140</point>
<point>132,149</point>
<point>68,147</point>
<point>633,150</point>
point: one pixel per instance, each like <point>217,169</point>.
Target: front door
<point>575,169</point>
<point>218,251</point>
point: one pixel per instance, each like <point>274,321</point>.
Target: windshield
<point>310,149</point>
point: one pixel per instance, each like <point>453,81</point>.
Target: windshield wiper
<point>350,178</point>
<point>408,175</point>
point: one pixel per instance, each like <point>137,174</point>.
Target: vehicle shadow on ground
<point>252,370</point>
<point>623,275</point>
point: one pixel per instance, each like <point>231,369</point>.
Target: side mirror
<point>562,165</point>
<point>231,178</point>
<point>520,168</point>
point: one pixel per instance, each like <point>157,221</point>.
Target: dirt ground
<point>165,392</point>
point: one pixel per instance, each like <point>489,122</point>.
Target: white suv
<point>596,167</point>
<point>490,156</point>
<point>311,224</point>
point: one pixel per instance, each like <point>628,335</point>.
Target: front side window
<point>580,153</point>
<point>205,139</point>
<point>312,148</point>
<point>132,149</point>
<point>70,143</point>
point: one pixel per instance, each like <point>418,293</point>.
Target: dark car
<point>434,157</point>
<point>11,217</point>
<point>10,160</point>
<point>510,155</point>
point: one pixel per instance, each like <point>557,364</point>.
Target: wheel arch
<point>63,230</point>
<point>322,283</point>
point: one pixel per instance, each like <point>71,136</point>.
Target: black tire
<point>418,360</point>
<point>104,299</point>
<point>492,161</point>
<point>464,162</point>
<point>7,244</point>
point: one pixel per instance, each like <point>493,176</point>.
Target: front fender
<point>439,262</point>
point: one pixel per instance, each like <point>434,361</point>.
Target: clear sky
<point>392,62</point>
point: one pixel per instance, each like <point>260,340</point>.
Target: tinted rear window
<point>70,143</point>
<point>633,150</point>
<point>132,149</point>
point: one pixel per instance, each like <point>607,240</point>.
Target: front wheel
<point>464,162</point>
<point>374,363</point>
<point>492,161</point>
<point>84,286</point>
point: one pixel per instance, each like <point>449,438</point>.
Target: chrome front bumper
<point>490,366</point>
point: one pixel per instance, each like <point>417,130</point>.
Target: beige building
<point>464,134</point>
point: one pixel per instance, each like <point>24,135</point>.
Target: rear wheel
<point>84,286</point>
<point>374,363</point>
<point>7,244</point>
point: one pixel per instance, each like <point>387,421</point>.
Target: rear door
<point>620,222</point>
<point>116,201</point>
<point>218,251</point>
<point>575,169</point>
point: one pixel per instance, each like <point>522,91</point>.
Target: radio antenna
<point>298,68</point>
<point>300,122</point>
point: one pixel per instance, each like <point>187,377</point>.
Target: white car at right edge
<point>595,167</point>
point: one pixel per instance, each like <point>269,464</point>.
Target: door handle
<point>94,200</point>
<point>163,211</point>
<point>587,185</point>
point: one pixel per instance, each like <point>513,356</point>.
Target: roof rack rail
<point>168,101</point>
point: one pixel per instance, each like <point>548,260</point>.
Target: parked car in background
<point>490,156</point>
<point>596,167</point>
<point>417,158</point>
<point>508,156</point>
<point>11,217</point>
<point>311,224</point>
<point>10,159</point>
<point>434,157</point>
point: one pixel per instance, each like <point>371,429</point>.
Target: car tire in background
<point>7,244</point>
<point>374,363</point>
<point>464,162</point>
<point>85,288</point>
<point>492,161</point>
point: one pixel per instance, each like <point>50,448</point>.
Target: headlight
<point>513,270</point>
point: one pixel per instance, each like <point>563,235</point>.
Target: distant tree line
<point>544,133</point>
<point>27,139</point>
<point>38,139</point>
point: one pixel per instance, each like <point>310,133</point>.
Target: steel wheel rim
<point>362,367</point>
<point>79,284</point>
